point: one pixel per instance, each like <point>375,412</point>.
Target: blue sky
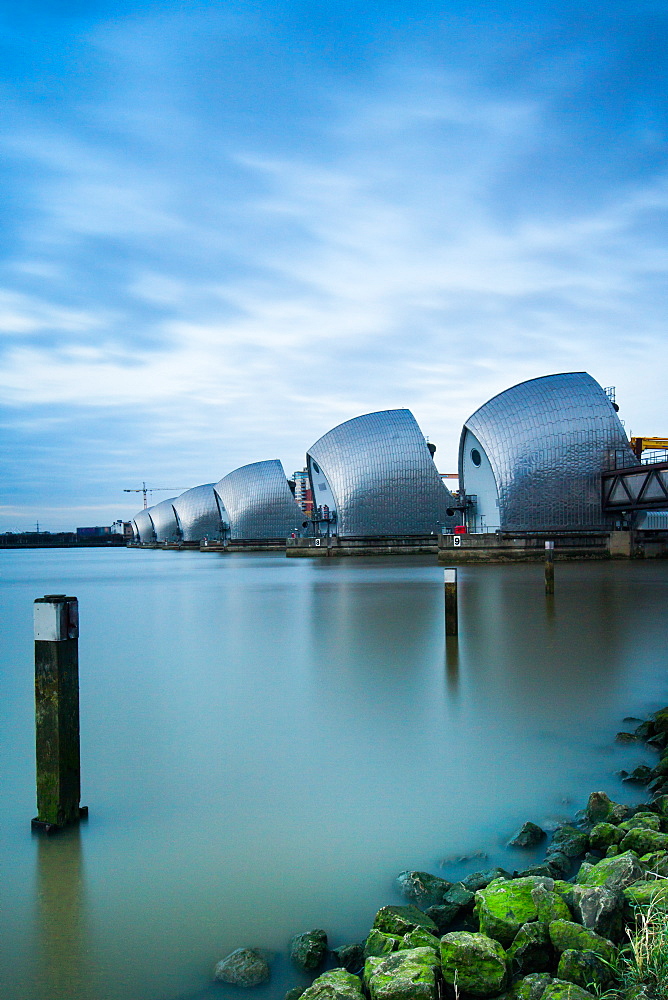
<point>227,227</point>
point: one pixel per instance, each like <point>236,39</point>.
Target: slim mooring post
<point>450,577</point>
<point>549,567</point>
<point>57,712</point>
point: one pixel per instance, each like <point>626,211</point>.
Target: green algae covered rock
<point>527,836</point>
<point>242,967</point>
<point>601,809</point>
<point>585,969</point>
<point>295,993</point>
<point>531,951</point>
<point>503,906</point>
<point>656,863</point>
<point>566,934</point>
<point>379,943</point>
<point>335,985</point>
<point>641,821</point>
<point>645,892</point>
<point>480,880</point>
<point>422,888</point>
<point>614,873</point>
<point>570,841</point>
<point>350,956</point>
<point>443,915</point>
<point>531,987</point>
<point>404,975</point>
<point>460,895</point>
<point>401,919</point>
<point>308,950</point>
<point>560,990</point>
<point>643,841</point>
<point>661,804</point>
<point>475,963</point>
<point>420,938</point>
<point>550,905</point>
<point>604,835</point>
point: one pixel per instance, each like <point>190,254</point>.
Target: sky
<point>228,226</point>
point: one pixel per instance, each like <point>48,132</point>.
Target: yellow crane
<point>639,445</point>
<point>155,489</point>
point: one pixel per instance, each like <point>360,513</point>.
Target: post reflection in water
<point>452,663</point>
<point>62,965</point>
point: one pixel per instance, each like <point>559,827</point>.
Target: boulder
<point>531,951</point>
<point>502,907</point>
<point>640,775</point>
<point>603,835</point>
<point>626,738</point>
<point>585,969</point>
<point>599,909</point>
<point>656,863</point>
<point>641,821</point>
<point>379,943</point>
<point>660,721</point>
<point>644,841</point>
<point>566,934</point>
<point>479,880</point>
<point>642,893</point>
<point>404,975</point>
<point>443,915</point>
<point>350,957</point>
<point>601,809</point>
<point>295,993</point>
<point>560,990</point>
<point>401,919</point>
<point>335,985</point>
<point>527,836</point>
<point>460,895</point>
<point>542,868</point>
<point>474,963</point>
<point>531,987</point>
<point>550,905</point>
<point>614,873</point>
<point>422,888</point>
<point>308,950</point>
<point>242,967</point>
<point>420,938</point>
<point>569,840</point>
<point>661,805</point>
<point>558,864</point>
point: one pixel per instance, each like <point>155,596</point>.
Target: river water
<point>267,743</point>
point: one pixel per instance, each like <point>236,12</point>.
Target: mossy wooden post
<point>549,567</point>
<point>451,623</point>
<point>57,712</point>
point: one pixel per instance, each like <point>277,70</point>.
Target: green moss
<point>503,907</point>
<point>474,963</point>
<point>335,985</point>
<point>405,975</point>
<point>401,919</point>
<point>566,934</point>
<point>379,943</point>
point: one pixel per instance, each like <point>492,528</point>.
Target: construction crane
<point>155,489</point>
<point>639,445</point>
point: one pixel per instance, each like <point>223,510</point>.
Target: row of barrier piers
<point>490,547</point>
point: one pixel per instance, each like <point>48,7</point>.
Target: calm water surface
<point>267,742</point>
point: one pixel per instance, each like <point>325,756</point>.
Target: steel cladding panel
<point>382,476</point>
<point>164,521</point>
<point>259,502</point>
<point>144,526</point>
<point>198,515</point>
<point>548,440</point>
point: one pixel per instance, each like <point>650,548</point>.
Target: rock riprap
<point>422,888</point>
<point>242,967</point>
<point>504,905</point>
<point>401,919</point>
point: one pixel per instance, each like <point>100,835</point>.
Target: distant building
<point>96,532</point>
<point>375,476</point>
<point>303,491</point>
<point>531,458</point>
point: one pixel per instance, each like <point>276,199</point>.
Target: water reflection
<point>62,960</point>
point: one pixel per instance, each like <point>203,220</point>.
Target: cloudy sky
<point>228,226</point>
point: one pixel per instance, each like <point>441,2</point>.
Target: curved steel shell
<point>259,502</point>
<point>198,514</point>
<point>381,477</point>
<point>145,527</point>
<point>164,521</point>
<point>540,448</point>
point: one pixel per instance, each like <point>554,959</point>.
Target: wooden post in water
<point>450,580</point>
<point>57,712</point>
<point>549,567</point>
